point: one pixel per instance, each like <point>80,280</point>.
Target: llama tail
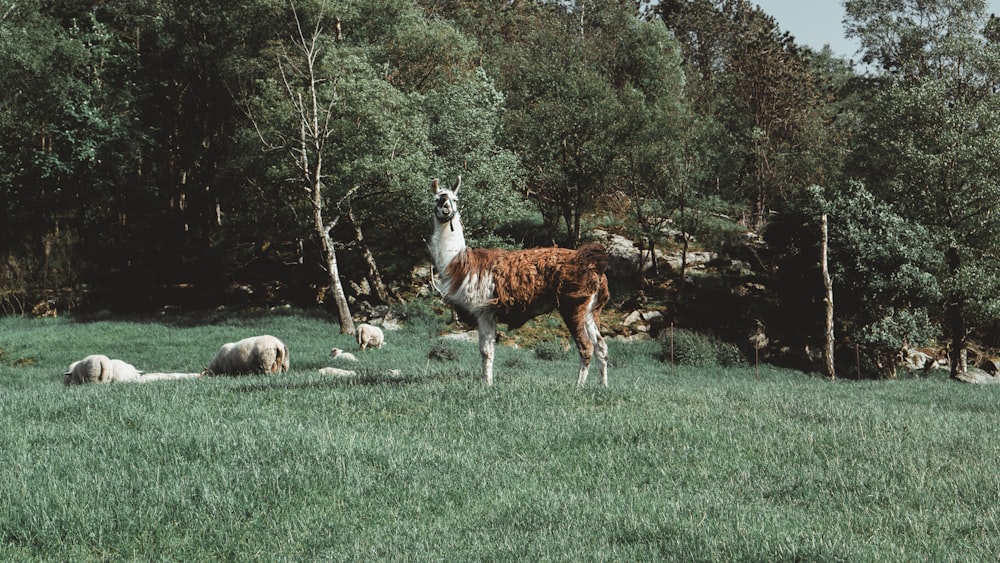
<point>592,255</point>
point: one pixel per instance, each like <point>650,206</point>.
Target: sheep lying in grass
<point>368,335</point>
<point>98,368</point>
<point>95,368</point>
<point>337,372</point>
<point>169,376</point>
<point>257,354</point>
<point>338,354</point>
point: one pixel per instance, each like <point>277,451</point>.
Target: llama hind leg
<point>600,348</point>
<point>576,321</point>
<point>583,322</point>
<point>487,340</point>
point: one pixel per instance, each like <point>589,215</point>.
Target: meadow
<point>691,464</point>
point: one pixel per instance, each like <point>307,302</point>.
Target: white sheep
<point>257,354</point>
<point>124,372</point>
<point>337,372</point>
<point>94,368</point>
<point>368,335</point>
<point>98,368</point>
<point>338,354</point>
<point>168,376</point>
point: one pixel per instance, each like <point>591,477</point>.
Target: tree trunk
<point>828,365</point>
<point>373,276</point>
<point>330,258</point>
<point>956,317</point>
<point>652,258</point>
<point>684,262</point>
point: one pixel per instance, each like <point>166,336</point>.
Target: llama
<point>491,285</point>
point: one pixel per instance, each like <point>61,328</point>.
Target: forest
<point>281,151</point>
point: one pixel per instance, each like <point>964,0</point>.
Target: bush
<point>691,348</point>
<point>549,351</point>
<point>419,315</point>
<point>443,352</point>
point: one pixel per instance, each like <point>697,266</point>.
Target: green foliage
<point>67,142</point>
<point>550,350</point>
<point>420,317</point>
<point>884,269</point>
<point>466,129</point>
<point>766,130</point>
<point>924,150</point>
<point>443,351</point>
<point>691,348</point>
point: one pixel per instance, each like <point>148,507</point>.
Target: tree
<point>758,90</point>
<point>563,117</point>
<point>883,266</point>
<point>67,146</point>
<point>313,106</point>
<point>930,150</point>
<point>886,268</point>
<point>466,125</point>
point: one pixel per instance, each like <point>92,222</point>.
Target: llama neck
<point>447,242</point>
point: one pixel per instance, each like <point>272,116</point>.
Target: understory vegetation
<point>675,462</point>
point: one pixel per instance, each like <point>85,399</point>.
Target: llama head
<point>445,201</point>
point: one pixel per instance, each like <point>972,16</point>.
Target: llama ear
<point>434,186</point>
<point>458,185</point>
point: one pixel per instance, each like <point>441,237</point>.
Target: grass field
<point>688,464</point>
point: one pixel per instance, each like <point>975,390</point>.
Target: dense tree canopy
<point>147,147</point>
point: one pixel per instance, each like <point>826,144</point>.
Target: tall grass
<point>686,463</point>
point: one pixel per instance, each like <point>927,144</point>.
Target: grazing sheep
<point>337,372</point>
<point>98,368</point>
<point>257,354</point>
<point>368,335</point>
<point>338,354</point>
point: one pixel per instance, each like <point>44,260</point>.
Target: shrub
<point>419,315</point>
<point>549,350</point>
<point>692,348</point>
<point>443,352</point>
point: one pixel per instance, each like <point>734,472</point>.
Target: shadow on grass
<point>195,317</point>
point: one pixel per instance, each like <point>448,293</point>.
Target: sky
<point>820,22</point>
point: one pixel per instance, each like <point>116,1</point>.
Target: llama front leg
<point>487,340</point>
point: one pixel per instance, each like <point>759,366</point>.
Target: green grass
<point>680,463</point>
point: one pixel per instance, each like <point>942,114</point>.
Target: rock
<point>632,318</point>
<point>694,260</point>
<point>989,365</point>
<point>976,375</point>
<point>638,337</point>
<point>624,253</point>
<point>463,336</point>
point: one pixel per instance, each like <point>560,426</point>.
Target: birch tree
<point>313,108</point>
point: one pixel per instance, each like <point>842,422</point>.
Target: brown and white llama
<point>491,285</point>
